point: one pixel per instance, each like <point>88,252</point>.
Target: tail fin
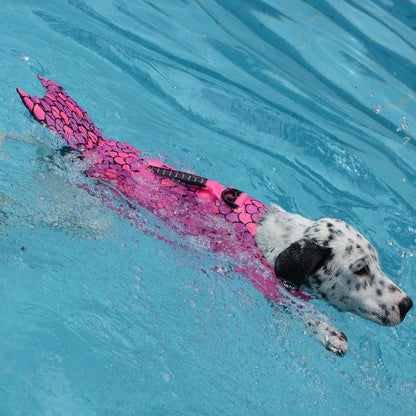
<point>58,111</point>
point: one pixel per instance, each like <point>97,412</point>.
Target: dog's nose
<point>405,306</point>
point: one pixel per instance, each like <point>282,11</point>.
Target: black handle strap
<point>177,175</point>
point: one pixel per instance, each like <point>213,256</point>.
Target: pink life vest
<point>191,205</point>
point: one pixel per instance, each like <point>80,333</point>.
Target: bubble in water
<point>378,109</point>
<point>406,140</point>
<point>404,125</point>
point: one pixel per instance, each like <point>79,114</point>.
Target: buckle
<point>229,196</point>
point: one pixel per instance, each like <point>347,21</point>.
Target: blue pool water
<point>308,104</point>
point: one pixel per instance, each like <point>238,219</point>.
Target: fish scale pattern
<point>246,219</point>
<point>185,207</point>
<point>58,111</point>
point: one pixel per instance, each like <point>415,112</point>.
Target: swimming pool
<point>312,107</point>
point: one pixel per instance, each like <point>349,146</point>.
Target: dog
<point>334,262</point>
<point>277,250</point>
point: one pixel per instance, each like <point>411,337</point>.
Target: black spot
<point>323,295</point>
<point>392,288</point>
<point>344,299</point>
<point>381,283</point>
<point>318,281</point>
<point>349,249</point>
<point>379,292</point>
<point>357,287</point>
<point>371,279</point>
<point>329,224</point>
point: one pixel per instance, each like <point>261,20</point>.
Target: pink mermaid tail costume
<point>189,204</point>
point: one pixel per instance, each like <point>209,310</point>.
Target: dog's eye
<point>363,271</point>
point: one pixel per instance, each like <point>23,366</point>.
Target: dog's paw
<point>336,342</point>
<point>333,340</point>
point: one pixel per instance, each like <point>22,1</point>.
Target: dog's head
<point>337,264</point>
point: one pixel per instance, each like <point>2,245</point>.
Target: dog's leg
<point>333,339</point>
<point>316,323</point>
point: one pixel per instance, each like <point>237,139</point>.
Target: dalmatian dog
<point>333,262</point>
<point>327,257</point>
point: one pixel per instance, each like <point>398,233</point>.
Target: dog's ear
<point>301,259</point>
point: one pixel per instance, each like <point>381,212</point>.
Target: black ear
<point>301,259</point>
